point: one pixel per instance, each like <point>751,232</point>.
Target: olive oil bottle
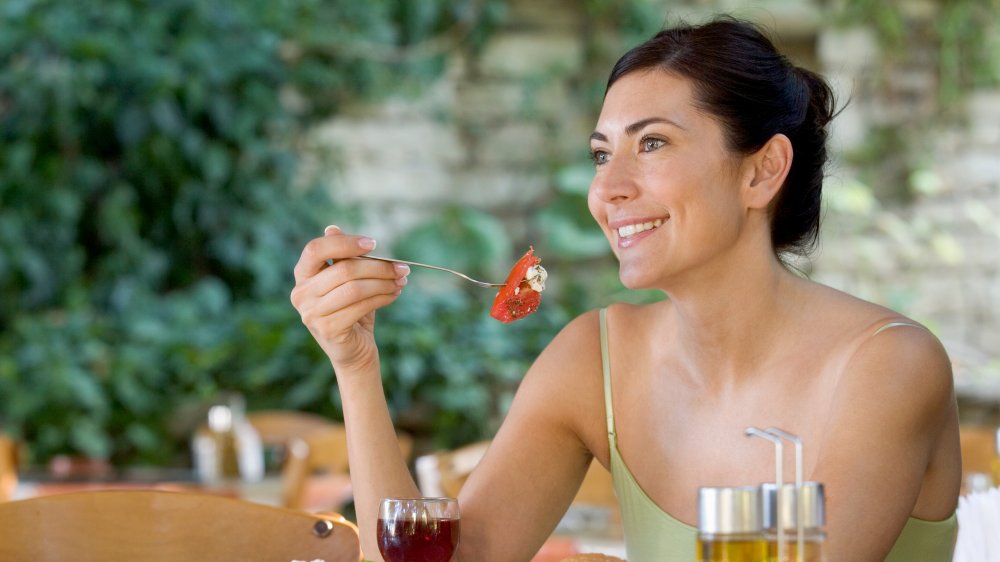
<point>729,525</point>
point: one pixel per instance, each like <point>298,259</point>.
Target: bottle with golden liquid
<point>800,534</point>
<point>996,458</point>
<point>228,447</point>
<point>729,525</point>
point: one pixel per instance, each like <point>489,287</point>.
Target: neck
<point>728,321</point>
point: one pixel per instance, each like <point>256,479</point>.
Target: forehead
<point>642,94</point>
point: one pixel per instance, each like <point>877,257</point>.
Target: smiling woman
<point>709,154</point>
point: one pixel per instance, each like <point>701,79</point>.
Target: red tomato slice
<point>516,299</point>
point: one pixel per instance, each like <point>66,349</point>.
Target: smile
<point>633,229</point>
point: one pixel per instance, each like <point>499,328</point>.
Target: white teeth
<point>632,229</point>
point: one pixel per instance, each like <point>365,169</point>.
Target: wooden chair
<point>279,427</point>
<point>979,452</point>
<point>318,459</point>
<point>8,467</point>
<point>157,526</point>
<point>319,453</point>
<point>597,488</point>
<point>280,431</point>
<point>455,466</point>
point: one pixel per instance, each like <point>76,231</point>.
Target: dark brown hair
<point>755,92</point>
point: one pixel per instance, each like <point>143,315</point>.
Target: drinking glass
<point>418,529</point>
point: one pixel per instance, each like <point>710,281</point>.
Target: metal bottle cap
<point>813,506</point>
<point>729,510</point>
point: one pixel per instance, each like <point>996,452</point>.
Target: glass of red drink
<point>418,529</point>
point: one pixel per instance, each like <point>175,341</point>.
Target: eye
<point>650,144</point>
<point>599,156</point>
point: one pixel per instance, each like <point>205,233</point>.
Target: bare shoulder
<point>884,347</point>
<point>899,355</point>
<point>576,345</point>
<point>563,388</point>
<point>892,404</point>
<point>892,375</point>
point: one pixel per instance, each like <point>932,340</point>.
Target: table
<point>557,548</point>
<point>584,528</point>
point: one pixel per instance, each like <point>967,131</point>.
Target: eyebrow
<point>634,128</point>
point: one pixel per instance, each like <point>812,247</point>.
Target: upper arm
<point>888,411</point>
<point>534,465</point>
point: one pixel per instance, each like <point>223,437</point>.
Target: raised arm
<point>337,303</point>
<point>891,449</point>
<point>535,464</point>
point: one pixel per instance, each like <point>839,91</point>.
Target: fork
<point>453,272</point>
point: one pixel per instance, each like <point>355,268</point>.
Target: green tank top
<point>652,535</point>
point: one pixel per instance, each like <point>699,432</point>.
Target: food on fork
<point>522,291</point>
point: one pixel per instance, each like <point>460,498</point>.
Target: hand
<point>337,302</point>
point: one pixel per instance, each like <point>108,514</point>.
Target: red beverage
<point>417,540</point>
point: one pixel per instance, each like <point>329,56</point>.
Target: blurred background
<point>163,162</point>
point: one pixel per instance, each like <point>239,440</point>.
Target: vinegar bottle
<point>729,525</point>
<point>247,445</point>
<point>228,448</point>
<point>784,511</point>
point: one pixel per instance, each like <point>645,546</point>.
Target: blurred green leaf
<point>569,230</point>
<point>459,238</point>
<point>148,223</point>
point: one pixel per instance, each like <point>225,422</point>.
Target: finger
<point>334,246</point>
<point>353,313</point>
<point>309,291</point>
<point>355,291</point>
<point>345,271</point>
<point>340,309</point>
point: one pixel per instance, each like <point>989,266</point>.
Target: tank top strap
<point>895,324</point>
<point>606,367</point>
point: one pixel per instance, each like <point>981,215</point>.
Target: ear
<point>768,169</point>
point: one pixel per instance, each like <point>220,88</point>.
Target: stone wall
<point>934,253</point>
<point>488,132</point>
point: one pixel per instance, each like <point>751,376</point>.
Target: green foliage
<point>151,202</point>
<point>449,369</point>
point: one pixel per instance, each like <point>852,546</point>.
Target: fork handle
<point>416,264</point>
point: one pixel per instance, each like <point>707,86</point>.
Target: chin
<point>633,277</point>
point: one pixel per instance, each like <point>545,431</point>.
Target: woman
<point>709,154</point>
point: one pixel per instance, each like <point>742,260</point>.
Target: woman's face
<point>665,190</point>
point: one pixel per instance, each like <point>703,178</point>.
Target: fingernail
<point>402,281</point>
<point>401,269</point>
<point>331,229</point>
<point>366,243</point>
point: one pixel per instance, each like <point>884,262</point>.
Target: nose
<point>614,182</point>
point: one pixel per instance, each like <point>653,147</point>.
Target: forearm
<point>378,469</point>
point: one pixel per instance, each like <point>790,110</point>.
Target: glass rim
<point>428,499</point>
